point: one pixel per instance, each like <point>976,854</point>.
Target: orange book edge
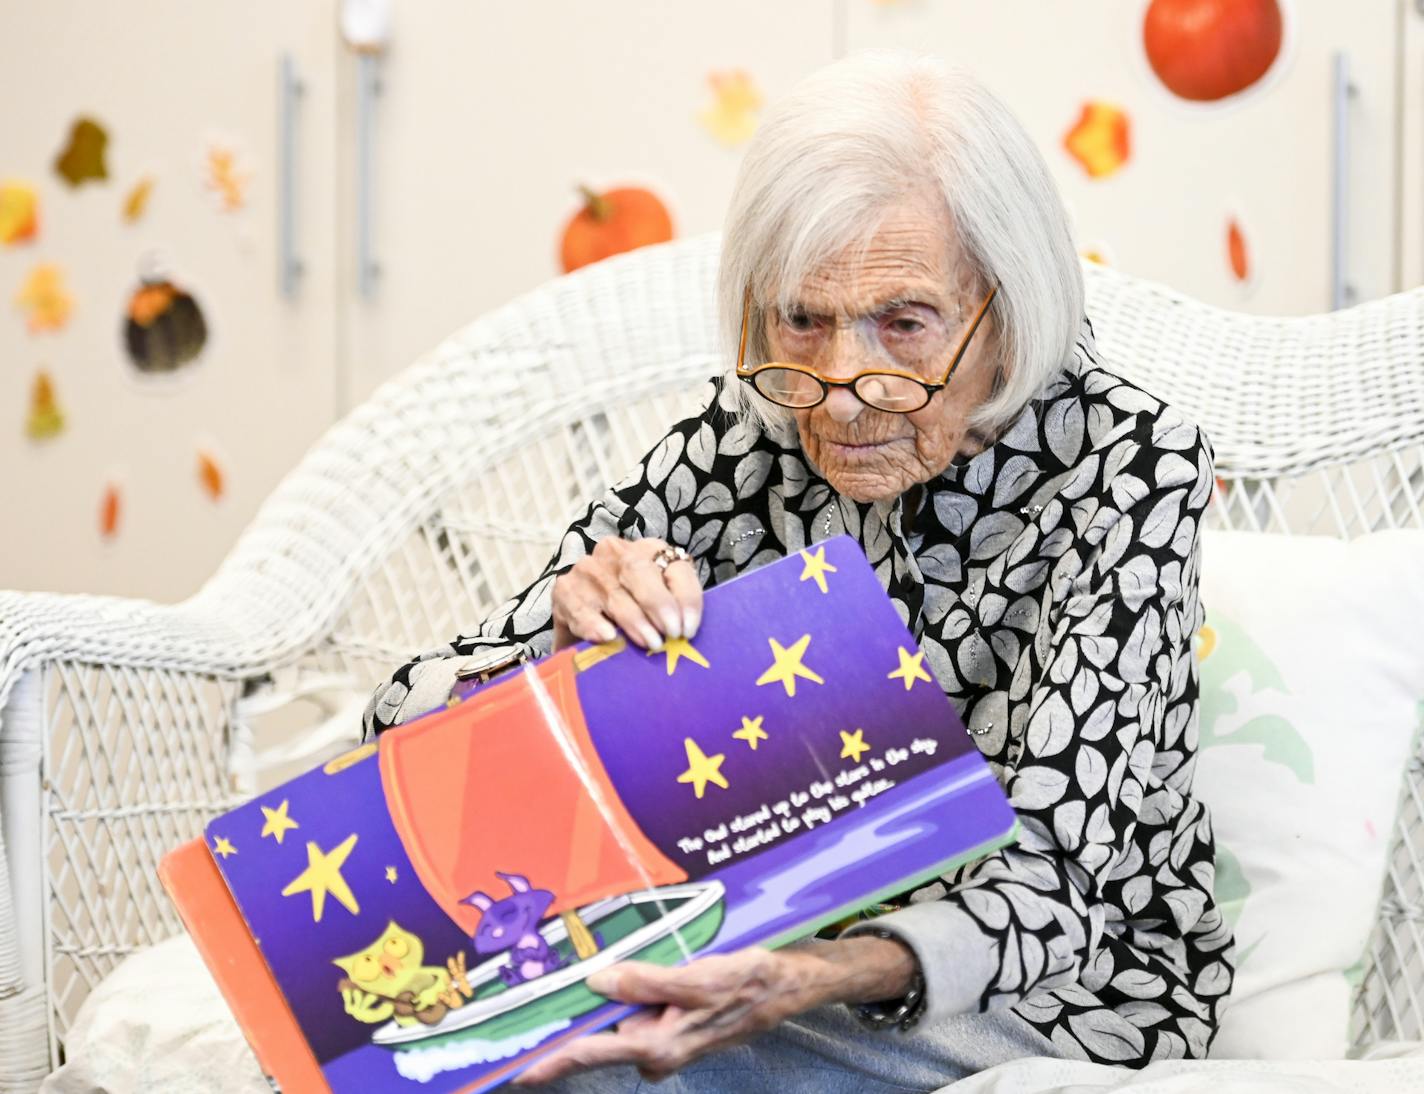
<point>197,889</point>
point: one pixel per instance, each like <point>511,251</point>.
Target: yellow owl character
<point>387,979</point>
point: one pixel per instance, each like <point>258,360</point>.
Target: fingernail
<point>694,617</point>
<point>652,639</point>
<point>604,981</point>
<point>607,633</point>
<point>672,623</point>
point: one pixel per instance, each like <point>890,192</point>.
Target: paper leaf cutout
<point>83,157</point>
<point>1099,139</point>
<point>732,117</point>
<point>136,203</point>
<point>1099,252</point>
<point>1237,254</point>
<point>45,299</point>
<point>226,177</point>
<point>165,328</point>
<point>210,476</point>
<point>45,418</point>
<point>110,511</point>
<point>19,212</point>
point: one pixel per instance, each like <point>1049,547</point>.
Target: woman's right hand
<point>621,585</point>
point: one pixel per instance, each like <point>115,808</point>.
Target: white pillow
<point>1312,671</point>
<point>157,1024</point>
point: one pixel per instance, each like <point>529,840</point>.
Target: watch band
<point>900,1013</point>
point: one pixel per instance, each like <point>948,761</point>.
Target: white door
<point>1411,191</point>
<point>175,86</point>
<point>491,114</point>
<point>1263,158</point>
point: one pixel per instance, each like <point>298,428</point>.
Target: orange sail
<point>487,787</point>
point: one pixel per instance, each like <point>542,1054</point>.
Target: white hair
<point>855,138</point>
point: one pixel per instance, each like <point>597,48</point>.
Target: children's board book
<point>421,914</point>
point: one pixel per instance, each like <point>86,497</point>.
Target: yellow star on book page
<point>222,846</point>
<point>751,730</point>
<point>278,823</point>
<point>816,568</point>
<point>853,744</point>
<point>701,768</point>
<point>678,648</point>
<point>391,874</point>
<point>786,665</point>
<point>911,668</point>
<point>323,875</point>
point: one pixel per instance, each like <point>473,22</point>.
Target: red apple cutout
<point>1205,50</point>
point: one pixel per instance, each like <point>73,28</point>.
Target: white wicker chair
<point>125,725</point>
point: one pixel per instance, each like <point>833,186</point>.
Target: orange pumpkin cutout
<point>611,223</point>
<point>1207,50</point>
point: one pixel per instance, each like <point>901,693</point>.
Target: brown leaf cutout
<point>83,156</point>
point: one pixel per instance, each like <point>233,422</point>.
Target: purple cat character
<point>513,924</point>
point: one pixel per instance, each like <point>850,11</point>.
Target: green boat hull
<point>575,999</point>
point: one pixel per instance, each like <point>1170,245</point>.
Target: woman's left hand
<point>721,1000</point>
<point>710,1003</point>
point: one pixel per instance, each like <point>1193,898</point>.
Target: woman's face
<point>869,454</point>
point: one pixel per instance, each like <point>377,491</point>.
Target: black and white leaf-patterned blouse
<point>1051,579</point>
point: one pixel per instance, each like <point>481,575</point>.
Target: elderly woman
<point>914,368</point>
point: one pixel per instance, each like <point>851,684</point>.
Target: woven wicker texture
<point>124,725</point>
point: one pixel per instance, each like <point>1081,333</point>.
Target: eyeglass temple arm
<point>969,337</point>
<point>742,345</point>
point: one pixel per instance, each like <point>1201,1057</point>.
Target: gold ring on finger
<point>666,556</point>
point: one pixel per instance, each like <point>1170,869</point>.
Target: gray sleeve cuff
<point>956,958</point>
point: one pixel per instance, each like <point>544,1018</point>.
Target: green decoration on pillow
<point>1226,651</point>
<point>1231,886</point>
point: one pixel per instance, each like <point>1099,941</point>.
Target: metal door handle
<point>368,87</point>
<point>1342,289</point>
<point>289,93</point>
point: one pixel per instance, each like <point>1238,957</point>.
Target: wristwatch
<point>484,665</point>
<point>900,1013</point>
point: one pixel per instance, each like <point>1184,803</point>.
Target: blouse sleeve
<point>647,502</point>
<point>1109,742</point>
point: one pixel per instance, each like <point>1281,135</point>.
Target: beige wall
<point>490,114</point>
